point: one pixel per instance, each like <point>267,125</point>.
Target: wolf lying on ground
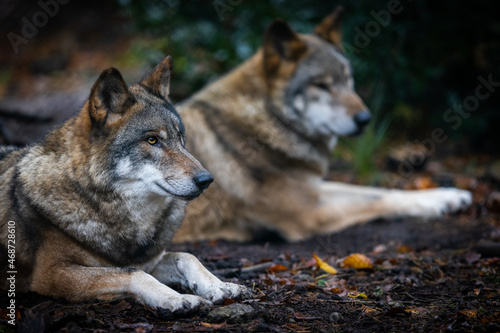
<point>93,206</point>
<point>266,132</point>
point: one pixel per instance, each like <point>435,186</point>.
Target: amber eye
<point>152,140</point>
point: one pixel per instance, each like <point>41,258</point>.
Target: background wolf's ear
<point>159,79</point>
<point>109,97</point>
<point>281,43</point>
<point>330,29</point>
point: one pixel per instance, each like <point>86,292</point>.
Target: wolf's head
<point>137,139</point>
<point>313,78</point>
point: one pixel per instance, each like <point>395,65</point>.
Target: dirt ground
<point>437,275</point>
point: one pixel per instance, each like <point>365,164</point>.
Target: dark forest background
<point>413,67</point>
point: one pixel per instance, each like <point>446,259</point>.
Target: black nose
<point>203,179</point>
<point>362,118</point>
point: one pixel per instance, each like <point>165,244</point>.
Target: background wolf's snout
<point>362,118</point>
<point>203,179</point>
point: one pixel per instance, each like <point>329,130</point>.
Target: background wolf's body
<point>266,131</point>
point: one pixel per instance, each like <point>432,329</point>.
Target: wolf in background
<point>96,202</point>
<point>266,131</point>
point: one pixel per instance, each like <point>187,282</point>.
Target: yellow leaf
<point>358,261</point>
<point>324,266</point>
<point>357,295</point>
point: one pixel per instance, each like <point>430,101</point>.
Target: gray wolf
<point>95,203</point>
<point>266,131</point>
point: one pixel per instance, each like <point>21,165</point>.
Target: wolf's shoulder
<point>6,150</point>
<point>10,156</point>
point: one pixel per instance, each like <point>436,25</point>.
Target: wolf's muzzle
<point>203,179</point>
<point>362,118</point>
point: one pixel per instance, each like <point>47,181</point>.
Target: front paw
<point>440,201</point>
<point>428,203</point>
<point>222,290</point>
<point>184,304</point>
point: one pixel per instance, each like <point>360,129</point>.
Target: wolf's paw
<point>219,291</point>
<point>187,304</point>
<point>433,202</point>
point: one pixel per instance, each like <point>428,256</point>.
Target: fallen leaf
<point>404,249</point>
<point>123,305</point>
<point>423,183</point>
<point>336,290</point>
<point>358,261</point>
<point>278,268</point>
<point>355,294</point>
<point>324,266</point>
<point>469,313</point>
<point>228,301</point>
<point>214,326</point>
<point>322,283</point>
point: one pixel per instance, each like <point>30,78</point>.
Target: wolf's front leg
<point>184,268</point>
<point>380,202</point>
<point>79,283</point>
<point>343,205</point>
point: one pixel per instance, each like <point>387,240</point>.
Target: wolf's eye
<point>152,140</point>
<point>321,85</point>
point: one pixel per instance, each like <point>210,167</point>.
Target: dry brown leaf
<point>228,301</point>
<point>423,183</point>
<point>277,268</point>
<point>404,249</point>
<point>469,313</point>
<point>214,326</point>
<point>358,261</point>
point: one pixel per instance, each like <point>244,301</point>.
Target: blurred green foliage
<point>413,69</point>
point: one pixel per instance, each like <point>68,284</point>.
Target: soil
<point>426,276</point>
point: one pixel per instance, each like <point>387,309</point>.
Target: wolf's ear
<point>109,97</point>
<point>281,43</point>
<point>330,29</point>
<point>159,79</point>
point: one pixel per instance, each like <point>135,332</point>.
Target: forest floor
<point>406,275</point>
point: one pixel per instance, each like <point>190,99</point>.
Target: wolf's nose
<point>203,179</point>
<point>362,118</point>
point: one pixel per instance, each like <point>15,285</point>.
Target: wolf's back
<point>5,150</point>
